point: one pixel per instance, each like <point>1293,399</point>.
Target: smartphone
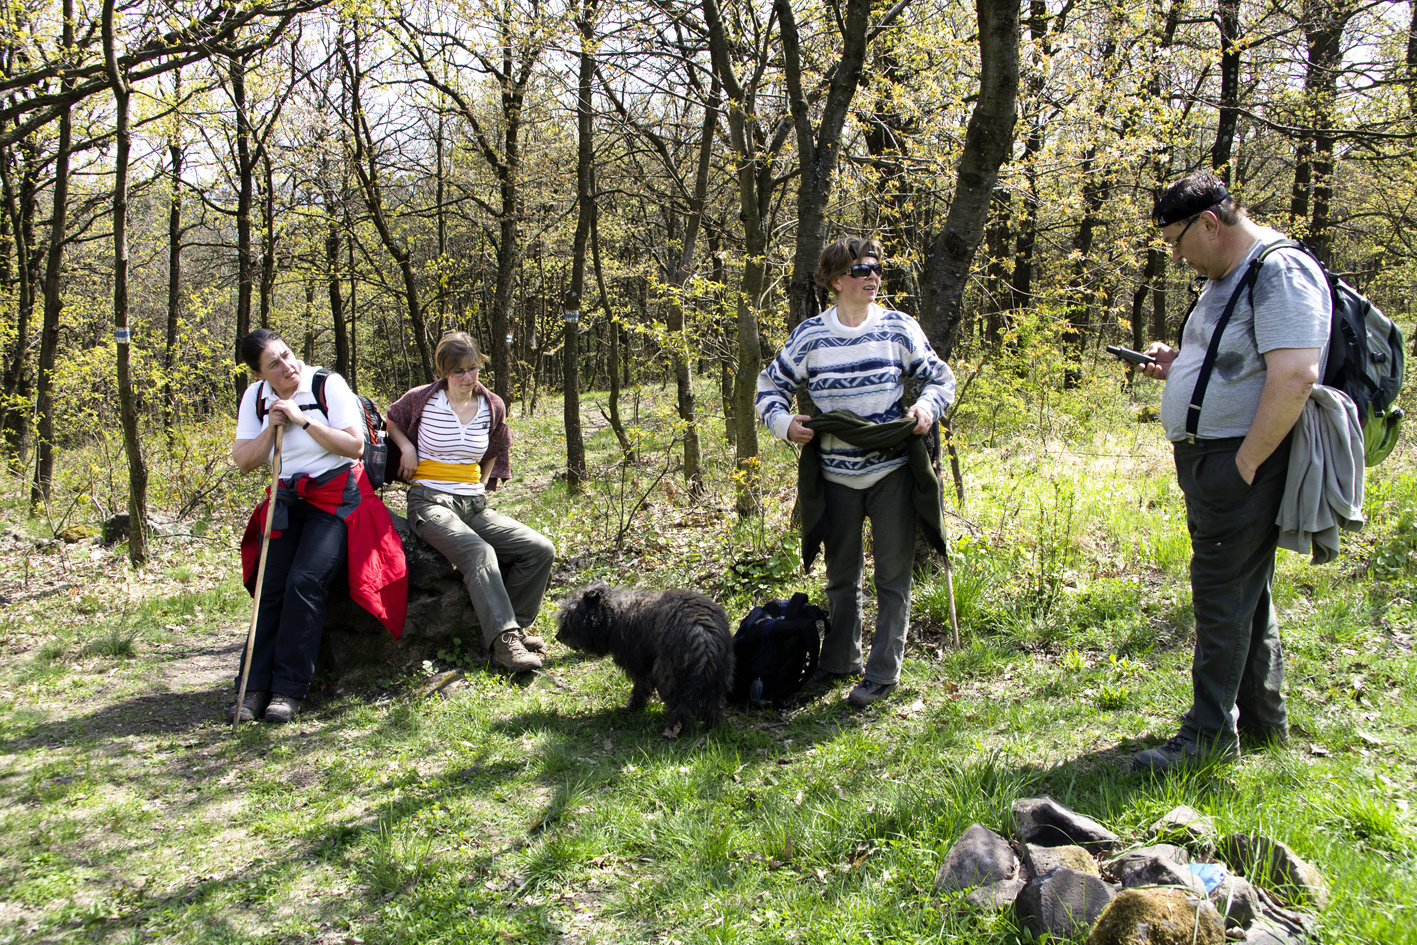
<point>1127,354</point>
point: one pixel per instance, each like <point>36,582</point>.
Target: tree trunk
<point>1228,18</point>
<point>333,241</point>
<point>818,150</point>
<point>986,144</point>
<point>53,298</point>
<point>366,169</point>
<point>20,197</point>
<point>585,205</point>
<point>245,171</point>
<point>127,407</point>
<point>174,283</point>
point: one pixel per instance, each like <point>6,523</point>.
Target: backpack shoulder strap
<point>1207,366</point>
<point>317,387</point>
<point>261,402</point>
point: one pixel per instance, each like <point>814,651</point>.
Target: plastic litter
<point>1212,874</point>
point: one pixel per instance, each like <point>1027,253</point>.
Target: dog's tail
<point>708,669</point>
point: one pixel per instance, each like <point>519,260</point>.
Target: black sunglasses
<point>862,270</point>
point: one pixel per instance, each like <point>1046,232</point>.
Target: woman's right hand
<point>799,434</point>
<point>408,464</point>
<point>285,411</point>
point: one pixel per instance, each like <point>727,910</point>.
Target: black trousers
<point>1237,673</point>
<point>300,567</point>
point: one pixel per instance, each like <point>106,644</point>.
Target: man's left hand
<point>923,418</point>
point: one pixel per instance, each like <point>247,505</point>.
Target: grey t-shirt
<point>1292,309</point>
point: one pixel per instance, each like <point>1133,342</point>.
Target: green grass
<point>516,811</point>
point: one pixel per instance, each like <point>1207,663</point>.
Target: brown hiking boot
<point>252,707</point>
<point>282,709</point>
<point>533,643</point>
<point>510,654</point>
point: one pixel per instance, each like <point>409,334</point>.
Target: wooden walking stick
<point>260,578</point>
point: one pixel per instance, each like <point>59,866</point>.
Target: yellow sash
<point>448,472</point>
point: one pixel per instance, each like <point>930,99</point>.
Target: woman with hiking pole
<point>326,515</point>
<point>865,457</point>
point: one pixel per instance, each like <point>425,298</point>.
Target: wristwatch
<point>307,424</point>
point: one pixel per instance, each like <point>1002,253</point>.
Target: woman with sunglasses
<point>856,357</point>
<point>456,447</point>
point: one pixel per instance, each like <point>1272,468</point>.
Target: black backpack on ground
<point>776,650</point>
<point>381,455</point>
<point>1366,358</point>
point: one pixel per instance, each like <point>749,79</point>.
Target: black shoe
<point>252,707</point>
<point>1255,738</point>
<point>282,709</point>
<point>867,692</point>
<point>1181,752</point>
<point>825,679</point>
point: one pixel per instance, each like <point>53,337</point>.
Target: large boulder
<point>1156,916</point>
<point>1272,865</point>
<point>996,897</point>
<point>1159,865</point>
<point>438,611</point>
<point>980,857</point>
<point>1044,821</point>
<point>1184,825</point>
<point>1063,903</point>
<point>1041,860</point>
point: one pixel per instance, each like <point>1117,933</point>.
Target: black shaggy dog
<point>677,642</point>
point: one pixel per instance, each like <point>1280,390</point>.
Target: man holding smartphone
<point>1232,464</point>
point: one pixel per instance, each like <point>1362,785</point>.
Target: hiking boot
<point>533,643</point>
<point>867,692</point>
<point>282,709</point>
<point>510,654</point>
<point>825,679</point>
<point>1264,737</point>
<point>1181,752</point>
<point>252,706</point>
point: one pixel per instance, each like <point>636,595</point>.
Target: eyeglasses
<point>465,372</point>
<point>1176,243</point>
<point>862,270</point>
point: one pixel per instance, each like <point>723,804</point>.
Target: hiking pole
<point>261,579</point>
<point>950,584</point>
<point>948,440</point>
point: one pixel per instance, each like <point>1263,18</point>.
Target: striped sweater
<point>861,369</point>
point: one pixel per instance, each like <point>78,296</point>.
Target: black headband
<point>1197,204</point>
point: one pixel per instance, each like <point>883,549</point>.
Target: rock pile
<point>1187,886</point>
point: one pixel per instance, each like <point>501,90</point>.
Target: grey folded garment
<point>1323,494</point>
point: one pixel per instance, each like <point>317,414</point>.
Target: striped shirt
<point>443,438</point>
<point>862,369</point>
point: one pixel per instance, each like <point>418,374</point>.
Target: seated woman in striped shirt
<point>456,447</point>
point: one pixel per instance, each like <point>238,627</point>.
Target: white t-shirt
<point>300,452</point>
<point>443,438</point>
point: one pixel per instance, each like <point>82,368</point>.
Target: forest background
<point>364,176</point>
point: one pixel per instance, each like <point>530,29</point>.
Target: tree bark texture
<point>127,406</point>
<point>987,140</point>
<point>53,298</point>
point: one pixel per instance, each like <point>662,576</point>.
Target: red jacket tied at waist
<point>378,573</point>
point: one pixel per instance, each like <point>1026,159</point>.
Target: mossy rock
<point>1158,916</point>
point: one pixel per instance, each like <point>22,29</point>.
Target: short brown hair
<point>455,349</point>
<point>839,256</point>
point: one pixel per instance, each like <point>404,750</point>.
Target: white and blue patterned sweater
<point>861,369</point>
